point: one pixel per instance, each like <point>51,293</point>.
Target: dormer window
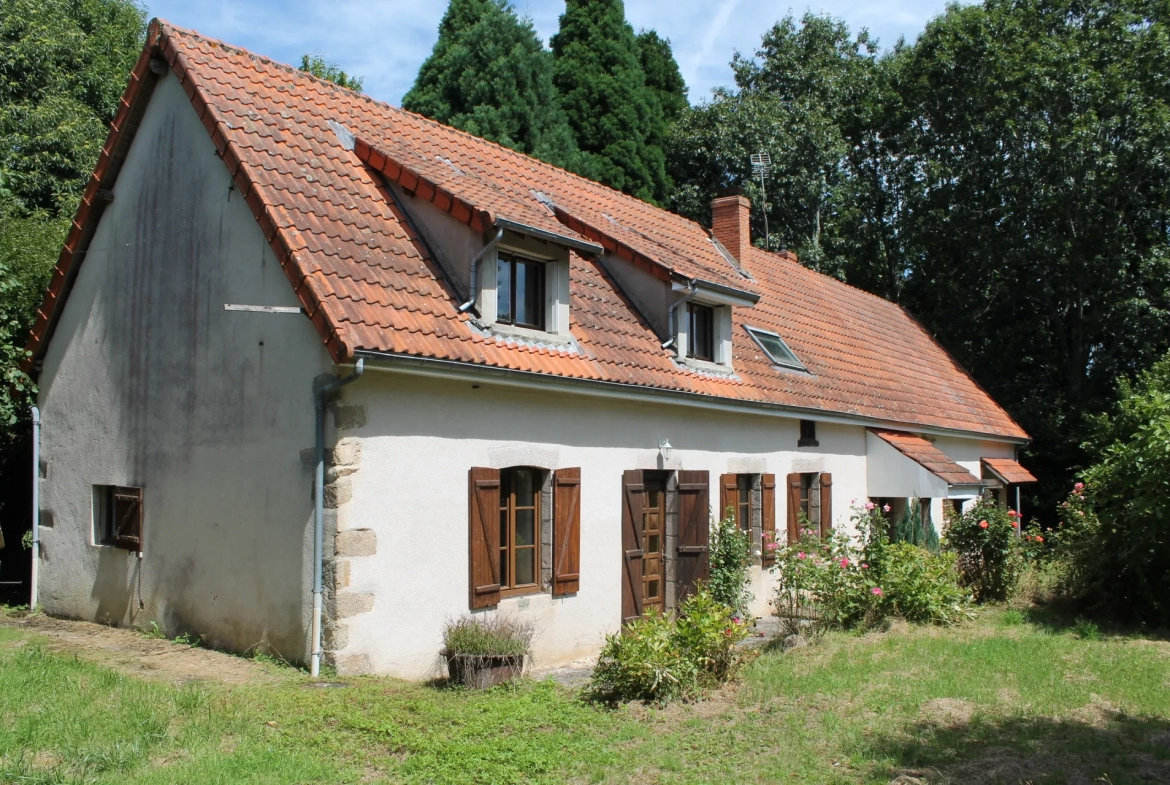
<point>520,292</point>
<point>775,348</point>
<point>701,332</point>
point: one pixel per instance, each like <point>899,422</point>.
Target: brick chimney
<point>731,223</point>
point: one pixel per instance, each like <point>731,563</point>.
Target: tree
<point>663,79</point>
<point>490,75</point>
<point>1036,231</point>
<point>614,117</point>
<point>63,67</point>
<point>813,98</point>
<point>330,72</point>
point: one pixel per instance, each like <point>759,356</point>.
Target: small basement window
<point>117,516</point>
<point>519,292</point>
<point>701,332</point>
<point>774,346</point>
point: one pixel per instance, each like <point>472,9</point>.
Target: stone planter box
<point>478,671</point>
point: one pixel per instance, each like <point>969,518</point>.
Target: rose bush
<point>984,542</point>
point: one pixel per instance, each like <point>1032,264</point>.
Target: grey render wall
<point>149,382</point>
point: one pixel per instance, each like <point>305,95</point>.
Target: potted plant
<point>483,651</point>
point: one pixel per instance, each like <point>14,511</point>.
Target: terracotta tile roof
<point>367,284</point>
<point>928,457</point>
<point>1008,470</point>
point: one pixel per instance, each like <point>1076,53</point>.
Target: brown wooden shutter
<point>694,530</point>
<point>768,516</point>
<point>793,507</point>
<point>127,512</point>
<point>484,536</point>
<point>633,498</point>
<point>566,531</point>
<point>826,503</point>
<point>728,496</point>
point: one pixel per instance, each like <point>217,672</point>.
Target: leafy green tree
<point>331,72</point>
<point>490,75</point>
<point>814,99</point>
<point>615,118</point>
<point>1036,228</point>
<point>63,67</point>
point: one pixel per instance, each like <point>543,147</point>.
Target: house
<point>313,368</point>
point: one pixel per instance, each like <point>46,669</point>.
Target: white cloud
<point>385,41</point>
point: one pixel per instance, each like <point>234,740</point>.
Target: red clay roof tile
<point>343,247</point>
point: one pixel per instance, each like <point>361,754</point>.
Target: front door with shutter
<point>653,540</point>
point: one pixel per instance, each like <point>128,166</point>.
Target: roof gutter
<point>450,369</point>
<point>474,290</point>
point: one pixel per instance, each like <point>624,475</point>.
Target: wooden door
<point>694,530</point>
<point>633,494</point>
<point>653,544</point>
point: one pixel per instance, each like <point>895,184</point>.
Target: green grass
<point>1003,699</point>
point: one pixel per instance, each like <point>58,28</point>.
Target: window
<point>519,530</point>
<point>774,346</point>
<point>117,516</point>
<point>519,292</point>
<point>808,434</point>
<point>743,503</point>
<point>700,332</point>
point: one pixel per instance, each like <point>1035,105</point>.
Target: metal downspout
<point>36,508</point>
<point>692,287</point>
<point>475,270</point>
<point>319,509</point>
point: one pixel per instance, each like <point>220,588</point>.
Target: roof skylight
<point>774,346</point>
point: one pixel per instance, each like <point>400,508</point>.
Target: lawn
<point>1002,699</point>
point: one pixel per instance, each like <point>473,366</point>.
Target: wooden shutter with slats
<point>633,498</point>
<point>566,532</point>
<point>826,503</point>
<point>694,530</point>
<point>127,517</point>
<point>793,507</point>
<point>768,517</point>
<point>484,537</point>
<point>728,497</point>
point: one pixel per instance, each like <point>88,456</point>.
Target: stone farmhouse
<point>319,374</point>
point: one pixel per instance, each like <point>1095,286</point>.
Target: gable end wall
<point>149,382</point>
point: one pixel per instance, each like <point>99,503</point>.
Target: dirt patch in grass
<point>947,711</point>
<point>129,652</point>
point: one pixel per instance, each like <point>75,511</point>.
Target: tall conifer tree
<point>662,75</point>
<point>618,122</point>
<point>490,76</point>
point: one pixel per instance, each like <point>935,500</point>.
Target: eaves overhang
<point>719,294</point>
<point>507,377</point>
<point>587,248</point>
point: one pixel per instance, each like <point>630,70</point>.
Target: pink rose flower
<point>844,563</point>
<point>865,566</point>
<point>983,524</point>
<point>886,508</point>
<point>876,591</point>
<point>801,555</point>
<point>869,505</point>
<point>1080,486</point>
<point>771,546</point>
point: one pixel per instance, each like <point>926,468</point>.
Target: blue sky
<point>385,41</point>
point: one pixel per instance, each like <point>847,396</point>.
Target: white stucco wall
<point>422,435</point>
<point>149,382</point>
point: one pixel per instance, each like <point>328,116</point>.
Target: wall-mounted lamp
<point>664,449</point>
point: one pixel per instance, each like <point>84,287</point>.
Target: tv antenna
<point>761,168</point>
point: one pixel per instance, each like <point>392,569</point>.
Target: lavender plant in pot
<point>483,651</point>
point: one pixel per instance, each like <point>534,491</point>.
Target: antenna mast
<point>761,168</point>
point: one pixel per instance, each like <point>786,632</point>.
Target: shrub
<point>915,529</point>
<point>665,657</point>
<point>919,586</point>
<point>985,543</point>
<point>1114,541</point>
<point>730,559</point>
<point>841,582</point>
